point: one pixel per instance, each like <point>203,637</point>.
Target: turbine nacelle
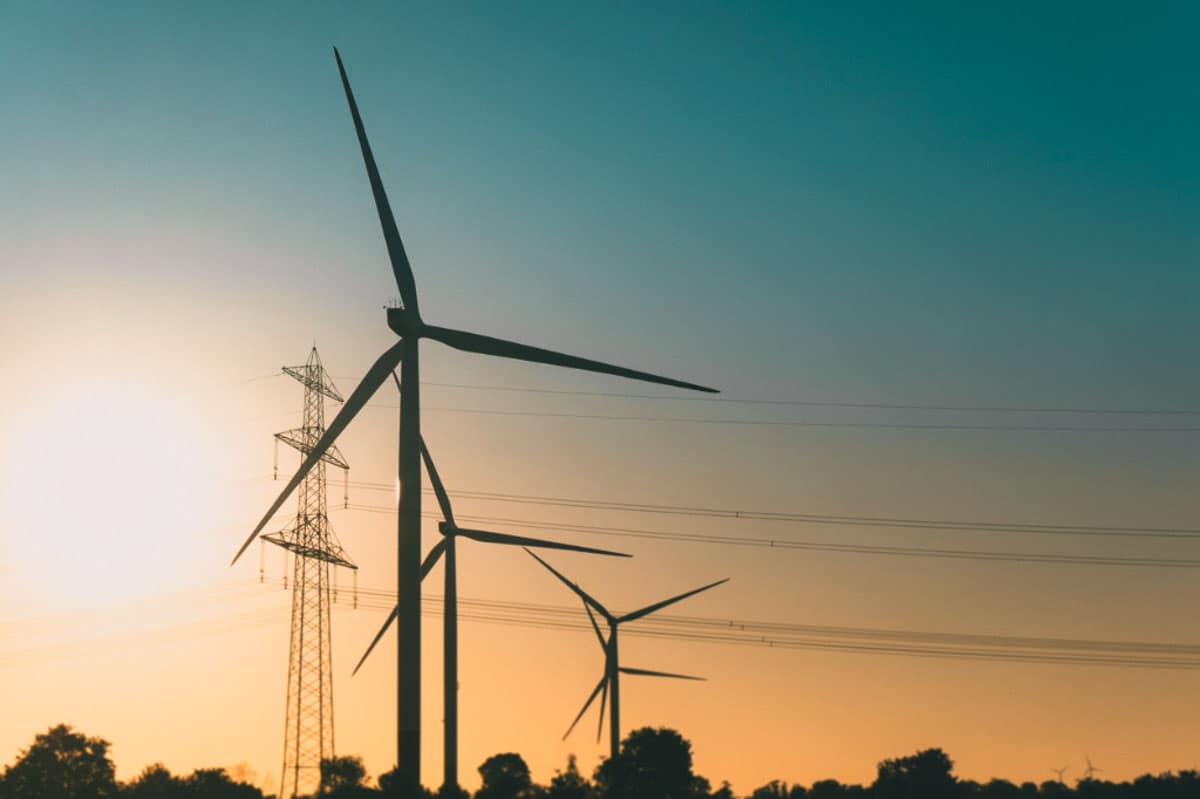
<point>404,322</point>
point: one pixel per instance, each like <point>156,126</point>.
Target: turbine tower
<point>406,322</point>
<point>446,549</point>
<point>308,716</point>
<point>610,681</point>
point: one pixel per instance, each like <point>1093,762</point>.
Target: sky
<point>939,204</point>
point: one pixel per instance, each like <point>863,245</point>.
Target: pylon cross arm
<point>319,382</point>
<point>331,553</point>
<point>302,439</point>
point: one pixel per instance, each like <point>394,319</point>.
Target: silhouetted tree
<point>776,789</point>
<point>344,777</point>
<point>1167,786</point>
<point>390,788</point>
<point>724,792</point>
<point>505,776</point>
<point>62,764</point>
<point>215,783</point>
<point>925,775</point>
<point>832,789</point>
<point>569,784</point>
<point>998,789</point>
<point>654,763</point>
<point>1089,788</point>
<point>1053,789</point>
<point>155,782</point>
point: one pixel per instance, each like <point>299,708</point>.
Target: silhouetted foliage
<point>62,764</point>
<point>505,776</point>
<point>155,782</point>
<point>569,784</point>
<point>452,792</point>
<point>926,775</point>
<point>996,789</point>
<point>778,790</point>
<point>832,789</point>
<point>345,777</point>
<point>1052,789</point>
<point>654,763</point>
<point>215,783</point>
<point>390,788</point>
<point>724,792</point>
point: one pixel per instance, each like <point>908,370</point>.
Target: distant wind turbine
<point>406,322</point>
<point>1060,772</point>
<point>446,548</point>
<point>1091,770</point>
<point>610,681</point>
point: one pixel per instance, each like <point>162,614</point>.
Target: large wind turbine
<point>610,682</point>
<point>406,322</point>
<point>446,548</point>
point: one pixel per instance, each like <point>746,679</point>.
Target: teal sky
<point>995,203</point>
<point>936,203</point>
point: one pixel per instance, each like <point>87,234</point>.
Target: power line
<point>940,525</point>
<point>997,648</point>
<point>792,423</point>
<point>829,403</point>
<point>819,546</point>
<point>1028,428</point>
<point>785,628</point>
<point>859,405</point>
<point>709,630</point>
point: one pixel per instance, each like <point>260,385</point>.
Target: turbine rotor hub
<point>404,322</point>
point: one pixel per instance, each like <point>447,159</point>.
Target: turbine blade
<point>603,682</point>
<point>522,541</point>
<point>486,345</point>
<point>400,266</point>
<point>438,488</point>
<point>432,558</point>
<point>579,591</point>
<point>596,627</point>
<point>648,673</point>
<point>391,618</point>
<point>646,611</point>
<point>358,398</point>
<point>603,702</point>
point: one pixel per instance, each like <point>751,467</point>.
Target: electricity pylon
<point>308,718</point>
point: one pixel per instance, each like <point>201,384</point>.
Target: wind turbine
<point>1060,772</point>
<point>446,548</point>
<point>406,322</point>
<point>610,681</point>
<point>1091,770</point>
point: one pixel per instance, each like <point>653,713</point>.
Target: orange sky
<point>122,618</point>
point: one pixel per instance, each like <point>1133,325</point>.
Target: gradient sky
<point>939,204</point>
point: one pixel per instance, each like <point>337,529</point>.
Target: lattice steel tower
<point>308,719</point>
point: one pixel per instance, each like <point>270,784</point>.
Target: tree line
<point>654,763</point>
